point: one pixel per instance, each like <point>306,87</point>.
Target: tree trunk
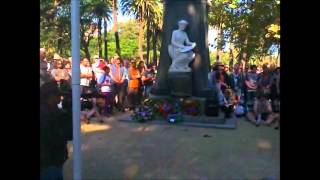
<point>231,52</point>
<point>278,57</point>
<point>99,36</point>
<point>219,43</point>
<point>105,40</point>
<point>154,45</point>
<point>148,41</point>
<point>118,50</point>
<point>85,41</point>
<point>115,26</point>
<point>86,50</point>
<point>231,58</point>
<point>59,40</point>
<point>140,39</point>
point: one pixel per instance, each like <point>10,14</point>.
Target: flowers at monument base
<point>175,117</point>
<point>142,114</point>
<point>191,107</point>
<point>169,109</point>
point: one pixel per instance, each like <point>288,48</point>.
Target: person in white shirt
<point>85,75</point>
<point>98,72</point>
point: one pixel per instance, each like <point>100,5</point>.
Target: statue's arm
<point>173,40</point>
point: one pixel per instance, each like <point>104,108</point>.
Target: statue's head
<point>182,24</point>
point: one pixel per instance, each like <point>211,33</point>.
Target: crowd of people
<point>245,91</point>
<point>105,85</point>
<point>122,85</point>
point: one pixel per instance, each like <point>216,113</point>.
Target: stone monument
<point>181,54</point>
<point>183,72</point>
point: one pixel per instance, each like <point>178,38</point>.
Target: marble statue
<point>180,49</point>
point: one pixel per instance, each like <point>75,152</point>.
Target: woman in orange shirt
<point>133,86</point>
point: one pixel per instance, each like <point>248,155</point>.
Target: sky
<point>121,18</point>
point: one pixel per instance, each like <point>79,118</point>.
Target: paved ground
<point>121,150</point>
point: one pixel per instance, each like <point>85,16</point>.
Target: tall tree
<point>102,10</point>
<point>55,26</point>
<point>246,24</point>
<point>115,25</point>
<point>140,10</point>
<point>105,39</point>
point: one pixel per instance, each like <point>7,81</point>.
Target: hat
<point>182,21</point>
<point>116,57</point>
<point>95,57</point>
<point>56,56</point>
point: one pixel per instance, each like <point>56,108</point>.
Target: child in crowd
<point>227,102</point>
<point>88,108</point>
<point>106,91</point>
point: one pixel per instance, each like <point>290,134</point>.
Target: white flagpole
<point>75,31</point>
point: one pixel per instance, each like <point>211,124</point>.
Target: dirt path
<point>120,150</point>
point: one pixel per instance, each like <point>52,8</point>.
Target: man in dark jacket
<point>55,132</point>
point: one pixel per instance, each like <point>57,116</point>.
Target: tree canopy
<point>250,28</point>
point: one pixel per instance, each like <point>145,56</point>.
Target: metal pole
<point>75,31</point>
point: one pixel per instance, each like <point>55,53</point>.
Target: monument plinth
<point>179,84</point>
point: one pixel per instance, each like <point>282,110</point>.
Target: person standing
<point>55,132</point>
<point>97,67</point>
<point>118,78</point>
<point>44,75</point>
<point>237,82</point>
<point>126,64</point>
<point>133,86</point>
<point>142,69</point>
<point>147,78</point>
<point>60,74</point>
<point>251,85</point>
<point>265,80</point>
<point>85,75</point>
<point>106,90</point>
<point>223,77</point>
<point>67,66</point>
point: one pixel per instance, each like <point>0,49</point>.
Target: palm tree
<point>141,9</point>
<point>105,39</point>
<point>102,10</point>
<point>115,25</point>
<point>154,25</point>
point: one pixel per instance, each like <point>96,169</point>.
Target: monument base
<point>180,83</point>
<point>197,121</point>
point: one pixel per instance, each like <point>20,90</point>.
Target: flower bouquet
<point>191,107</point>
<point>142,114</point>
